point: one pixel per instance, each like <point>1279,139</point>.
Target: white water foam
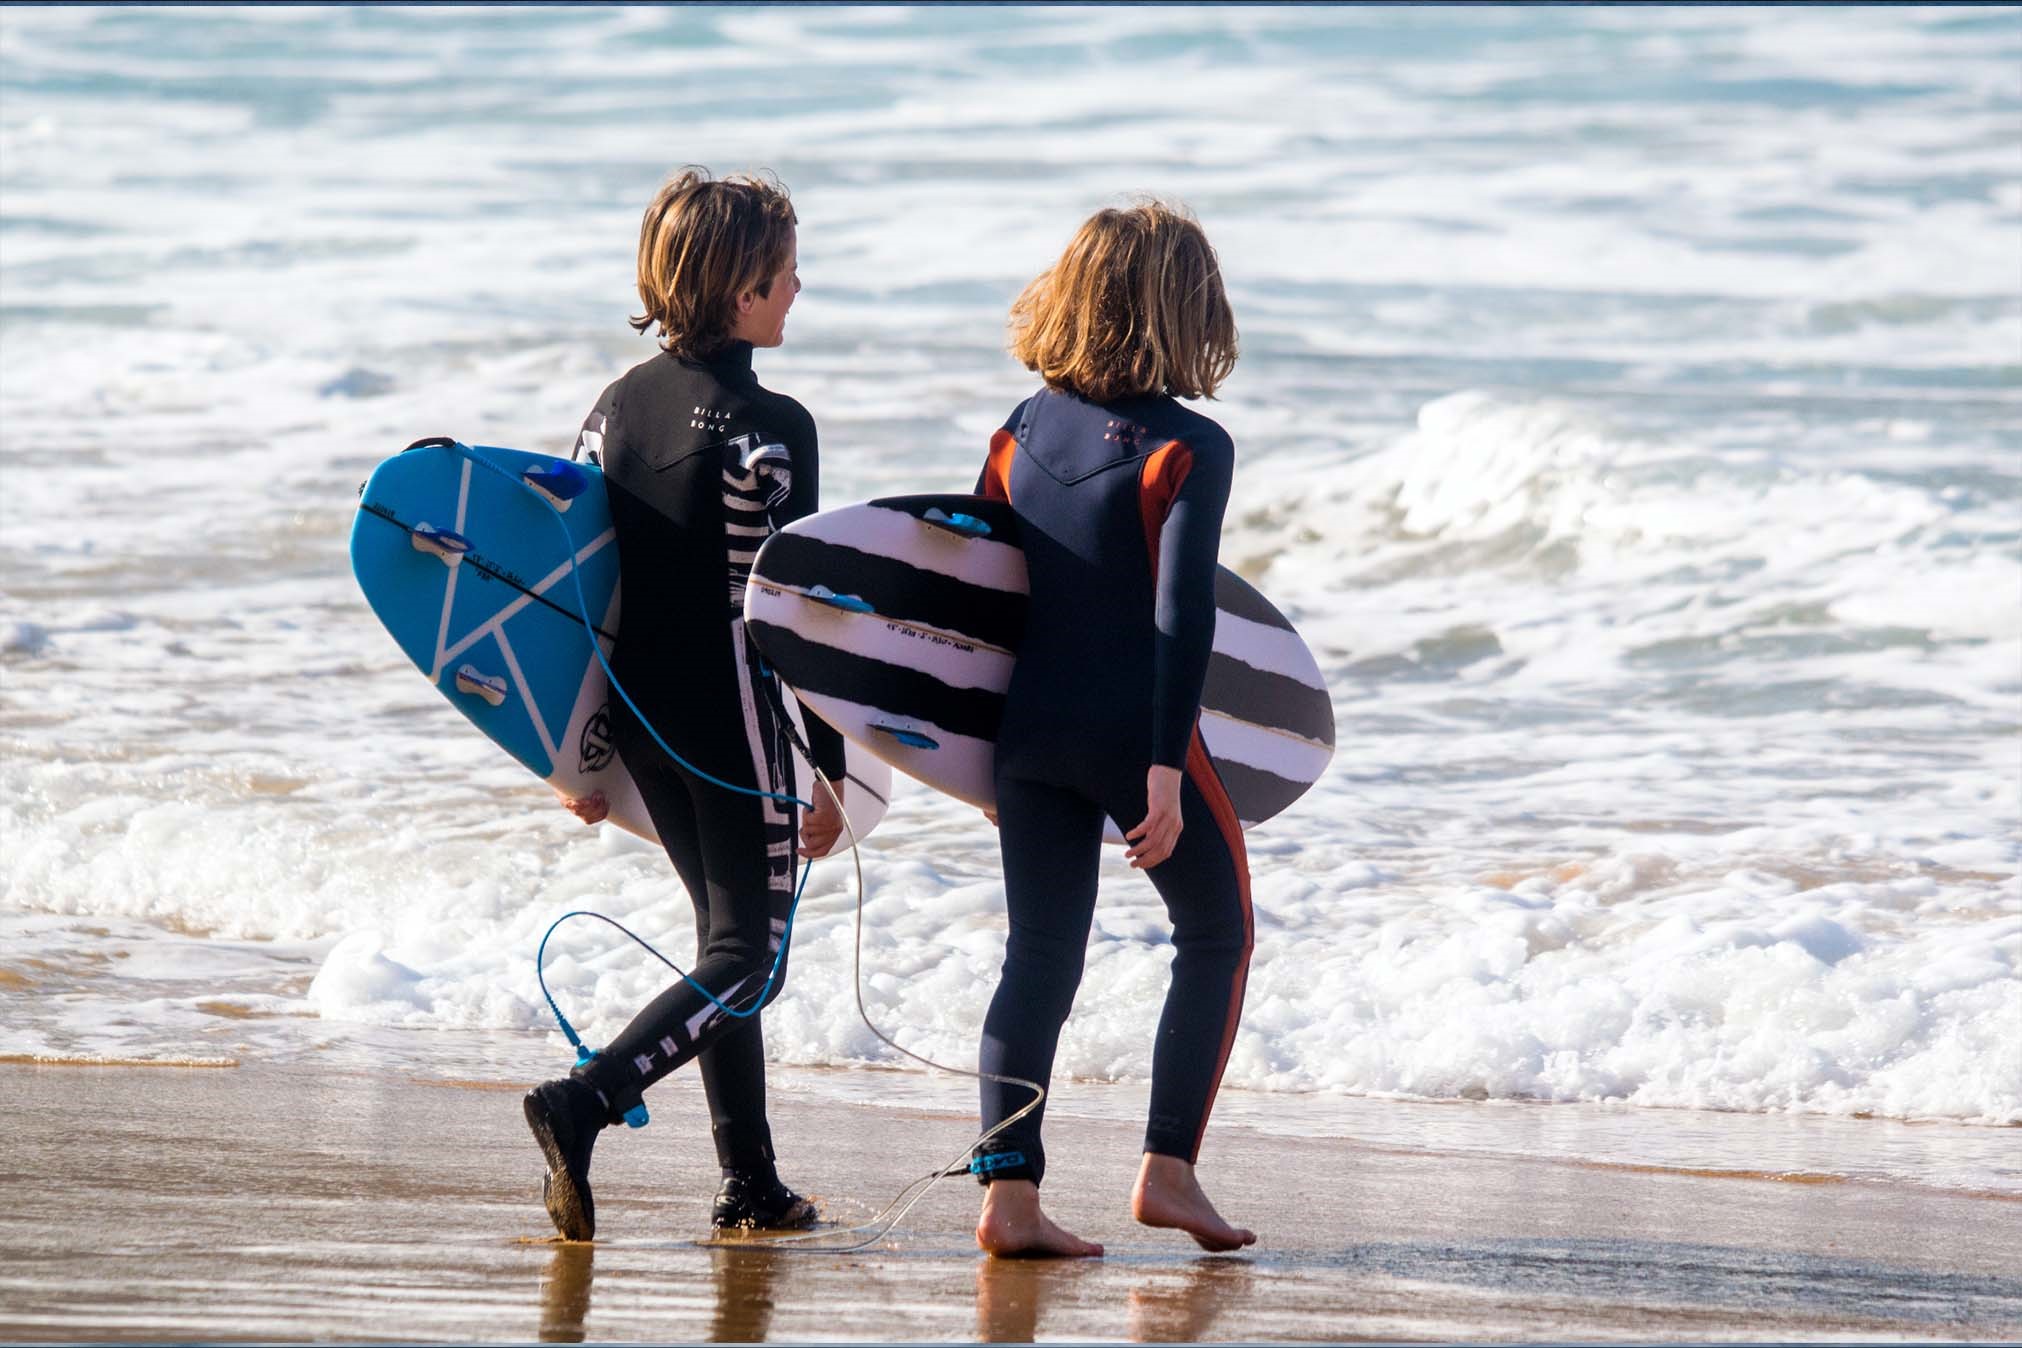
<point>1628,419</point>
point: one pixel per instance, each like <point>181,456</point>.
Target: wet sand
<point>279,1203</point>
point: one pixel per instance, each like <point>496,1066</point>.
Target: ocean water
<point>1630,416</point>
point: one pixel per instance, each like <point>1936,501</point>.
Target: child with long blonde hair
<point>1120,493</point>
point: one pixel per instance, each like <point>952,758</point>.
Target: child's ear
<point>746,301</point>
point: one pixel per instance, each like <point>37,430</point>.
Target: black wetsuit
<point>702,464</point>
<point>1120,512</point>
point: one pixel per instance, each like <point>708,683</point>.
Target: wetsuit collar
<point>732,362</point>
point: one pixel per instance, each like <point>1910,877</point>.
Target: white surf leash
<point>925,1183</point>
<point>877,1224</point>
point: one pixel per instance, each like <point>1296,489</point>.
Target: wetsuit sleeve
<point>589,447</point>
<point>803,498</point>
<point>1189,542</point>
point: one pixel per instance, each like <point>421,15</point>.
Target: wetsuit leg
<point>733,1080</point>
<point>1052,847</point>
<point>745,849</point>
<point>1205,884</point>
<point>733,1066</point>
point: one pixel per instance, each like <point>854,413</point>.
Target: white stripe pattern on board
<point>894,533</point>
<point>1274,650</point>
<point>1265,748</point>
<point>961,766</point>
<point>955,658</point>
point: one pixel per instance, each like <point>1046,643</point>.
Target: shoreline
<point>284,1202</point>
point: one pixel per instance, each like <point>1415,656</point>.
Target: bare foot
<point>1012,1225</point>
<point>1168,1195</point>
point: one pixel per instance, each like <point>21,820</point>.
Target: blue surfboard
<point>471,557</point>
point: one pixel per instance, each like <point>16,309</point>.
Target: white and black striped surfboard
<point>898,622</point>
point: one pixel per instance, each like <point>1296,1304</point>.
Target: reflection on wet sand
<point>745,1282</point>
<point>565,1292</point>
<point>746,1292</point>
<point>1167,1304</point>
<point>1183,1310</point>
<point>1010,1293</point>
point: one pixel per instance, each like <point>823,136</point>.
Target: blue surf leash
<point>636,1116</point>
<point>564,481</point>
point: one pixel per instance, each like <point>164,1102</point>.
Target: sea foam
<point>1626,417</point>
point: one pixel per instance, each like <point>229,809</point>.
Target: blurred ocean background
<point>1629,416</point>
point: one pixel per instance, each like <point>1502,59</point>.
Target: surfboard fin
<point>443,543</point>
<point>849,603</point>
<point>905,735</point>
<point>471,680</point>
<point>561,482</point>
<point>957,523</point>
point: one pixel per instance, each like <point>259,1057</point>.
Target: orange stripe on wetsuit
<point>1159,480</point>
<point>996,483</point>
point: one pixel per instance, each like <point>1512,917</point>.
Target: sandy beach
<point>281,1203</point>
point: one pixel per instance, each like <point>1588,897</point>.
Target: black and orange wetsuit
<point>702,464</point>
<point>1120,514</point>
